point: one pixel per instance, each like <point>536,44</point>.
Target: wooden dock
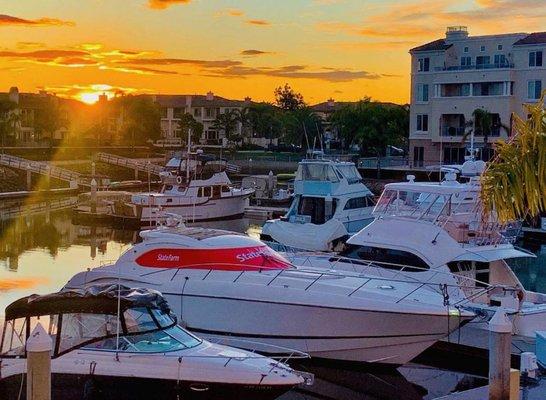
<point>263,213</point>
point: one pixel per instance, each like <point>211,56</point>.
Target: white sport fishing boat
<point>222,284</point>
<point>120,343</point>
<point>202,193</point>
<point>330,204</point>
<point>437,233</point>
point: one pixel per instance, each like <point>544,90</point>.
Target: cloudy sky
<point>345,49</point>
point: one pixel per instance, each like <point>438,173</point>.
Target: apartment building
<point>204,108</point>
<point>30,107</point>
<point>453,76</point>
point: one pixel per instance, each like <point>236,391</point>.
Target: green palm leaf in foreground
<point>514,183</point>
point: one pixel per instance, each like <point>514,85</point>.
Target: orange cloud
<point>138,70</point>
<point>253,52</point>
<point>8,20</point>
<point>259,22</point>
<point>163,4</point>
<point>30,45</point>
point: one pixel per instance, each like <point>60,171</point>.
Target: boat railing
<point>315,277</point>
<point>471,287</point>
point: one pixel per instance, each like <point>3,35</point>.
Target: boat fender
<point>179,180</point>
<point>521,298</point>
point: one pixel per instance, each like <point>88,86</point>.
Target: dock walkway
<point>141,165</point>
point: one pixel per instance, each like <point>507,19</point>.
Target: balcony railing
<point>453,130</point>
<point>475,66</point>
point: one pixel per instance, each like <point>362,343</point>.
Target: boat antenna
<point>306,137</point>
<point>320,137</point>
<point>188,157</point>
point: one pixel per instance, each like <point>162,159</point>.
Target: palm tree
<point>227,122</point>
<point>514,184</point>
<point>482,123</point>
<point>242,116</point>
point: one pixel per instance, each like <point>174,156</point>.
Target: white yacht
<point>121,343</point>
<point>330,204</point>
<point>202,193</point>
<point>223,284</point>
<point>437,233</point>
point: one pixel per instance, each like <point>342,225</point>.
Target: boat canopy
<point>100,318</point>
<point>100,299</point>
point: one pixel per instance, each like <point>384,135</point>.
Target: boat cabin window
<point>205,191</point>
<point>412,204</point>
<point>314,207</point>
<point>13,343</point>
<point>166,188</point>
<point>359,202</point>
<point>16,333</point>
<point>350,172</point>
<point>316,172</point>
<point>226,189</point>
<point>216,191</point>
<point>386,258</point>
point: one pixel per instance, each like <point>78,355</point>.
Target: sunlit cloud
<point>258,22</point>
<point>230,12</point>
<point>163,4</point>
<point>182,61</point>
<point>30,45</point>
<point>137,70</point>
<point>254,52</point>
<point>91,46</point>
<point>90,93</point>
<point>9,20</point>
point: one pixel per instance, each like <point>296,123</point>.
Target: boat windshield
<point>350,172</point>
<point>413,204</point>
<point>140,329</point>
<point>316,172</point>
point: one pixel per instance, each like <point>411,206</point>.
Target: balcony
<point>475,67</point>
<point>453,131</point>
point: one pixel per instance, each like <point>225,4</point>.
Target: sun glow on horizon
<point>89,97</point>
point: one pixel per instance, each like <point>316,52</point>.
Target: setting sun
<point>89,97</point>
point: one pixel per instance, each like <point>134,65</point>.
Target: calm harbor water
<point>40,249</point>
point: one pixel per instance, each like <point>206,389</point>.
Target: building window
<point>482,48</point>
<point>422,122</point>
<point>422,92</point>
<point>197,112</point>
<point>488,89</point>
<point>533,89</point>
<point>499,47</point>
<point>418,156</point>
<point>500,60</point>
<point>466,61</point>
<point>466,50</point>
<point>423,64</point>
<point>482,60</point>
<point>454,155</point>
<point>535,58</point>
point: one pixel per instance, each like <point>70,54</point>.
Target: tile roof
<point>436,45</point>
<point>533,38</point>
<point>197,101</point>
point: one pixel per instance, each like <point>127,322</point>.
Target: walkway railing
<point>138,165</point>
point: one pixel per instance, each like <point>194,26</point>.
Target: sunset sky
<point>345,49</point>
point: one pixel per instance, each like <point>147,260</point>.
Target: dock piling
<point>500,342</point>
<point>29,178</point>
<point>39,346</point>
<point>93,196</point>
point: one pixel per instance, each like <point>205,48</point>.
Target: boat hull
<point>211,210</point>
<point>353,335</point>
<point>77,387</point>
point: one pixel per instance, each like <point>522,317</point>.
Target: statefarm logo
<point>168,257</point>
<point>257,252</point>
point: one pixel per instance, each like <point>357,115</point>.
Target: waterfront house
<point>453,76</point>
